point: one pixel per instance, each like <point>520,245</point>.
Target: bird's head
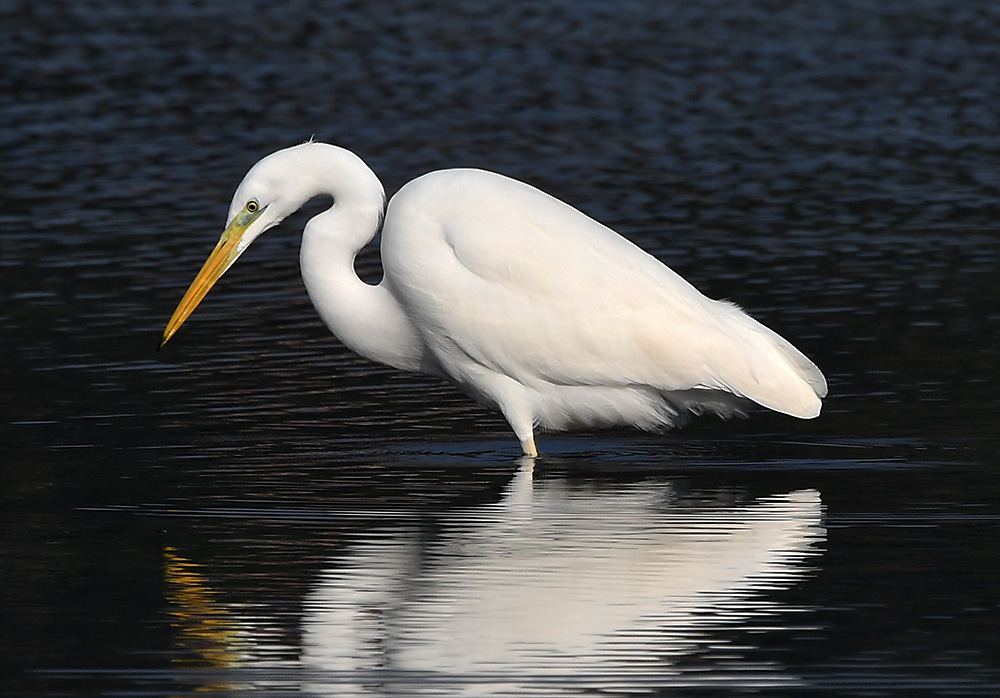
<point>266,196</point>
<point>273,189</point>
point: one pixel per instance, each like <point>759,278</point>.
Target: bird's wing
<point>496,271</point>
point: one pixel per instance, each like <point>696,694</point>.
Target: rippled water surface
<point>255,509</point>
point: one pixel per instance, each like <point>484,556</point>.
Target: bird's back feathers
<point>525,285</point>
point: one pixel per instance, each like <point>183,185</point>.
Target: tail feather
<point>808,370</point>
<point>772,372</point>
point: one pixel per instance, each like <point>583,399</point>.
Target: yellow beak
<point>222,257</point>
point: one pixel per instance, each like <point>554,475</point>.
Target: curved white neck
<point>366,318</point>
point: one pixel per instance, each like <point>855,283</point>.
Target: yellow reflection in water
<point>207,634</point>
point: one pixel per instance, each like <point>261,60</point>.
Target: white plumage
<point>523,302</point>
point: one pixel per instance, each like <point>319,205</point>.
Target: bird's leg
<point>512,399</point>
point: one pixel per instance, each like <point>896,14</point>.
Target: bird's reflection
<point>558,580</point>
<point>554,584</point>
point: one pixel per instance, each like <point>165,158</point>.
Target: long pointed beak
<point>222,257</point>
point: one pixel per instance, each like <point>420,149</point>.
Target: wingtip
<point>810,410</point>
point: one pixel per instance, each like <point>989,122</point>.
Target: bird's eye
<point>253,206</point>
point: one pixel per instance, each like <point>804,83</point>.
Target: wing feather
<point>519,282</point>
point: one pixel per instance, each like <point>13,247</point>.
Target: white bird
<point>520,300</point>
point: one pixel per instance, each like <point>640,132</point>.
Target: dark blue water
<point>255,509</point>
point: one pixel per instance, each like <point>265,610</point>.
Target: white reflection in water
<point>556,580</point>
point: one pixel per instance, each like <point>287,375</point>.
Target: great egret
<point>520,300</point>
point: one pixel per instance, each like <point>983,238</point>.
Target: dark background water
<point>220,515</point>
